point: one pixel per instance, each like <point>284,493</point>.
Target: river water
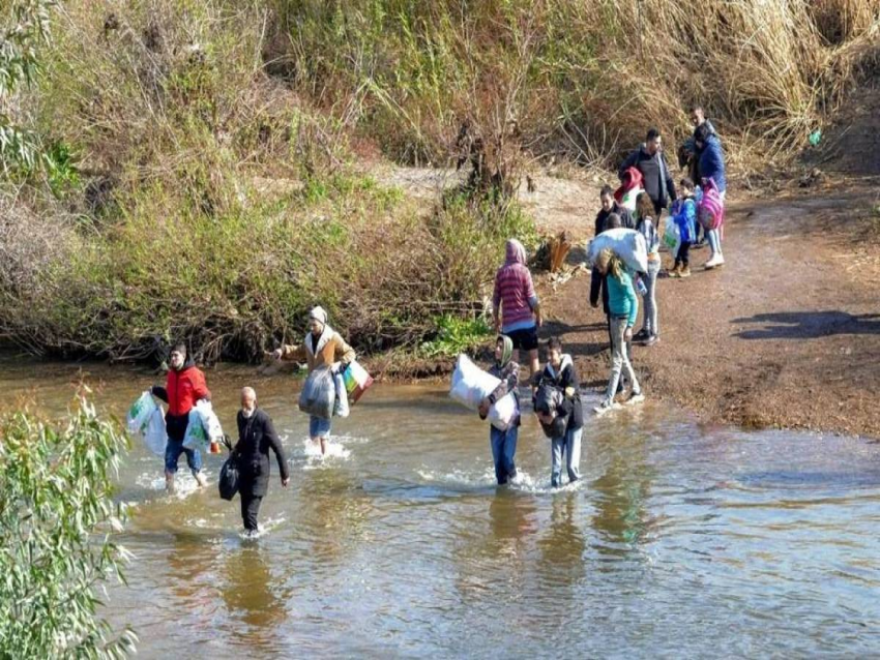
<point>681,541</point>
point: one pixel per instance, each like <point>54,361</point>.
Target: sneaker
<point>605,408</point>
<point>641,335</point>
<point>713,261</point>
<point>635,399</point>
<point>685,272</point>
<point>650,341</point>
<point>719,261</point>
<point>675,272</point>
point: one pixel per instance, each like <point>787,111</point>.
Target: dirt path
<point>787,334</point>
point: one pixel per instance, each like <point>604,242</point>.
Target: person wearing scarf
<point>503,443</point>
<point>516,310</point>
<point>322,347</point>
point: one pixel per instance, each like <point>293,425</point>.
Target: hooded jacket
<point>508,372</point>
<point>514,289</point>
<point>570,409</point>
<point>182,390</point>
<point>711,163</point>
<point>256,437</point>
<point>655,173</point>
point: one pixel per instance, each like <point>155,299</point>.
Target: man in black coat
<point>256,436</point>
<point>649,160</point>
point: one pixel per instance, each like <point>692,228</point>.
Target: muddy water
<point>681,540</point>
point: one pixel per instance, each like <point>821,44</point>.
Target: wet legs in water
<point>503,451</point>
<point>250,509</point>
<point>568,445</point>
<point>319,430</point>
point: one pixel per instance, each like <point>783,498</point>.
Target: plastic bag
<point>210,422</point>
<point>229,476</point>
<point>357,381</point>
<point>196,437</point>
<point>628,244</point>
<point>504,412</point>
<point>140,412</point>
<point>672,236</point>
<point>628,199</point>
<point>341,407</point>
<point>470,384</point>
<point>318,394</point>
<point>154,435</point>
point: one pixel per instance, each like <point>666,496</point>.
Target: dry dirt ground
<point>787,334</point>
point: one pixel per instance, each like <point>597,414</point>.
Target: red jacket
<point>184,388</point>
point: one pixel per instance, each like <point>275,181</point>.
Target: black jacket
<point>626,219</point>
<point>655,171</point>
<point>570,410</point>
<point>256,436</point>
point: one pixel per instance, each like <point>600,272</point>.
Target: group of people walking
<point>516,309</point>
<point>517,315</point>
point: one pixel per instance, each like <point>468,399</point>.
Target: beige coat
<point>331,348</point>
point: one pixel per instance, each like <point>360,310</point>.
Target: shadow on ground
<point>809,325</point>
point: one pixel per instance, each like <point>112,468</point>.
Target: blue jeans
<point>651,326</point>
<point>714,236</point>
<point>172,454</point>
<point>503,450</point>
<point>318,428</point>
<point>570,445</point>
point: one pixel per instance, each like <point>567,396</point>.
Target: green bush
<point>456,335</point>
<point>56,524</point>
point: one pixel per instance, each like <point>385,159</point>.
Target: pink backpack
<point>711,209</point>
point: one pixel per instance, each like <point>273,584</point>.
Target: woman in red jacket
<point>185,386</point>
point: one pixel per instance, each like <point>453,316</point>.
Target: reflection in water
<point>562,543</point>
<point>249,591</point>
<point>621,495</point>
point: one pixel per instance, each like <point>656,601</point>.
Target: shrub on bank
<point>56,516</point>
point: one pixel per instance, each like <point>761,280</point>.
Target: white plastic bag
<point>470,384</point>
<point>341,407</point>
<point>155,437</point>
<point>140,412</point>
<point>628,200</point>
<point>196,437</point>
<point>672,236</point>
<point>210,421</point>
<point>502,414</point>
<point>628,244</point>
<point>318,394</point>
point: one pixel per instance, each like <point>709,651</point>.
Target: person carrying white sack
<point>322,347</point>
<point>503,443</point>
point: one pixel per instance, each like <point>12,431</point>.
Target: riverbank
<point>786,335</point>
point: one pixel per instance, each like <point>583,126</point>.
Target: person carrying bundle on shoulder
<point>322,347</point>
<point>503,443</point>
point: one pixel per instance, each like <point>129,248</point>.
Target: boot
<point>685,272</point>
<point>675,272</point>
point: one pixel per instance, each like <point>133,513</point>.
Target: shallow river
<point>681,541</point>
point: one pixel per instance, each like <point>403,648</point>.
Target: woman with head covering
<point>516,300</point>
<point>322,347</point>
<point>503,443</point>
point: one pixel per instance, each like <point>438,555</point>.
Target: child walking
<point>647,227</point>
<point>624,306</point>
<point>503,443</point>
<point>563,423</point>
<point>684,214</point>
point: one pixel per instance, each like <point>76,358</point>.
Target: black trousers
<point>682,256</point>
<point>250,509</point>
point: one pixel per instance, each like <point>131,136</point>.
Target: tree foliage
<point>56,522</point>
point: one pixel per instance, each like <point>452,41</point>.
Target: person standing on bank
<point>184,386</point>
<point>503,443</point>
<point>516,310</point>
<point>323,346</point>
<point>256,436</point>
<point>711,157</point>
<point>649,160</point>
<point>611,207</point>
